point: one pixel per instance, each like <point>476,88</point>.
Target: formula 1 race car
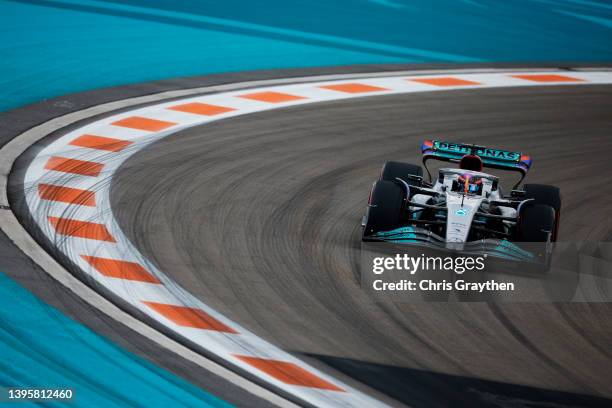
<point>465,209</point>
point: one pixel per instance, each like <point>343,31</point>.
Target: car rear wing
<point>492,158</point>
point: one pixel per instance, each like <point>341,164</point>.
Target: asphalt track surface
<point>259,216</point>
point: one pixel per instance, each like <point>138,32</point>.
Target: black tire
<point>536,228</point>
<point>546,195</point>
<point>385,207</point>
<point>391,170</point>
<point>536,223</point>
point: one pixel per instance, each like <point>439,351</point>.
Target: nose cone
<point>459,217</point>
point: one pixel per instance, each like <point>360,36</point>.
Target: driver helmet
<point>469,184</point>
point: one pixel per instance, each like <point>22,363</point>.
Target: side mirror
<point>517,193</point>
<point>414,178</point>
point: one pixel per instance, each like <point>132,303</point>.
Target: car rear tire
<point>385,207</point>
<point>544,194</point>
<point>392,170</point>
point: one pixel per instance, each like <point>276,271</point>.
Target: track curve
<point>259,216</point>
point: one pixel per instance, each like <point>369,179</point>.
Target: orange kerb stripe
<point>272,97</point>
<point>548,78</point>
<point>120,269</point>
<point>101,143</point>
<point>202,108</point>
<point>189,317</point>
<point>140,123</point>
<point>445,81</point>
<point>354,88</point>
<point>81,229</point>
<point>67,195</point>
<point>85,168</point>
<point>288,373</point>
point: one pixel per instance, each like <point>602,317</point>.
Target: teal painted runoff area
<point>54,47</point>
<point>41,347</point>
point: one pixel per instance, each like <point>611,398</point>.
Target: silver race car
<point>465,209</point>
